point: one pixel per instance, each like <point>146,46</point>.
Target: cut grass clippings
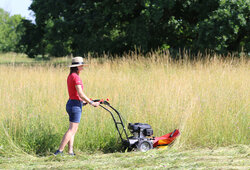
<point>232,157</point>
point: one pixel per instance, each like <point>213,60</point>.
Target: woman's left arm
<point>84,97</point>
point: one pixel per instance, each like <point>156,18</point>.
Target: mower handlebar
<point>101,101</point>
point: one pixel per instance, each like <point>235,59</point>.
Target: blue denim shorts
<point>74,109</point>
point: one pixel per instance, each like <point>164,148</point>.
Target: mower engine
<point>140,139</point>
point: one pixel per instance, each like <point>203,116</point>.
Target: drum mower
<point>141,139</point>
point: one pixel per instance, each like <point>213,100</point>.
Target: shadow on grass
<point>113,145</point>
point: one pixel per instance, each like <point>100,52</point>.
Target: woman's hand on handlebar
<point>95,104</point>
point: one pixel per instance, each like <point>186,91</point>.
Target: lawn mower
<point>141,139</point>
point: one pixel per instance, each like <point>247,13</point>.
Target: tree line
<point>77,27</point>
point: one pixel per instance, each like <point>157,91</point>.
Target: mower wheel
<point>144,146</point>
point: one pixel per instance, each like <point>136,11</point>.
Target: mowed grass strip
<point>232,157</point>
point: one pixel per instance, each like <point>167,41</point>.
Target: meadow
<point>206,99</point>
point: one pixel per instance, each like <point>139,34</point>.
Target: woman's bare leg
<point>70,144</point>
<point>68,135</point>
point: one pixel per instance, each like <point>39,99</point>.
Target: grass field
<point>208,100</point>
<point>233,157</point>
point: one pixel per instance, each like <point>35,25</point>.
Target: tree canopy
<point>80,26</point>
<point>9,35</point>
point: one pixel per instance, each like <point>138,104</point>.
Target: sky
<point>17,7</point>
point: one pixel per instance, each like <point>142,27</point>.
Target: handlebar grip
<point>96,100</point>
<point>101,101</point>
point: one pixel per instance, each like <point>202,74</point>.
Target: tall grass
<point>208,100</point>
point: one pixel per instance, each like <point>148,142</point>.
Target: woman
<point>74,105</point>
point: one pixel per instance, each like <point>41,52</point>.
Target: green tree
<point>31,41</point>
<point>116,26</point>
<point>227,28</point>
<point>9,36</point>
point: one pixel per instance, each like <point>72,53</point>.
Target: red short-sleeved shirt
<point>72,81</point>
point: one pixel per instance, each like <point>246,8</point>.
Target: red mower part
<point>166,139</point>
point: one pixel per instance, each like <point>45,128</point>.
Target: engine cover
<point>142,129</point>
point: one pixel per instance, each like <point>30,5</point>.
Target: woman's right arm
<point>84,97</point>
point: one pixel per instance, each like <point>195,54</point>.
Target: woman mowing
<point>77,99</point>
